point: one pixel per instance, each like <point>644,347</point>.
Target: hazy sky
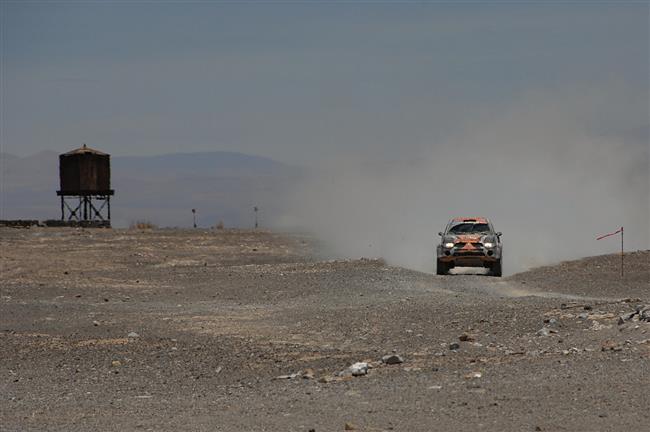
<point>301,81</point>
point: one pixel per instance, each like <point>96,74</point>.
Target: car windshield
<point>467,228</point>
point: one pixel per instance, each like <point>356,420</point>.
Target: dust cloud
<point>541,170</point>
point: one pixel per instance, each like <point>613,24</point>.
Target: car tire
<point>441,268</point>
<point>496,268</point>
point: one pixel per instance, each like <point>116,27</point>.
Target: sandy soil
<point>191,330</point>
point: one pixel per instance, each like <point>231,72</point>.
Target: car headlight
<point>449,245</point>
<point>488,244</point>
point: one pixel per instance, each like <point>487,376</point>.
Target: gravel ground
<point>246,331</point>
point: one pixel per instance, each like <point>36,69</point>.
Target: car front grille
<point>468,253</point>
<point>461,245</point>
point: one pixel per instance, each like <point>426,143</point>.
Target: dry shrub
<point>142,224</point>
<point>219,226</point>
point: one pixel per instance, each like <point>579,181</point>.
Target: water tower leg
<point>62,208</point>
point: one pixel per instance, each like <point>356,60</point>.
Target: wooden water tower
<point>85,176</point>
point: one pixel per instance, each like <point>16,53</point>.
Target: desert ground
<point>233,330</point>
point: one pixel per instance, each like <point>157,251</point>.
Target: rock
<point>598,326</point>
<point>473,375</point>
<point>544,331</point>
<point>95,323</point>
<point>359,369</point>
<point>326,379</point>
<point>629,300</point>
<point>308,374</point>
<point>550,321</point>
<point>133,335</point>
<point>350,426</point>
<point>116,363</point>
<point>645,315</point>
<point>454,346</point>
<point>289,376</point>
<point>392,359</point>
<point>583,316</point>
<point>466,338</point>
<point>627,316</point>
<point>610,345</point>
<point>587,307</point>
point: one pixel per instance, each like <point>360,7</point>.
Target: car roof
<point>470,219</point>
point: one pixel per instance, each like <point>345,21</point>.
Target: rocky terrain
<point>230,330</point>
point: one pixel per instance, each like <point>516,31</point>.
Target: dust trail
<point>546,177</point>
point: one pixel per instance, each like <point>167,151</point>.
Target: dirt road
<point>247,331</point>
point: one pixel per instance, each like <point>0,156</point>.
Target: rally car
<point>469,242</point>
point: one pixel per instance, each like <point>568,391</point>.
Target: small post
<point>194,216</point>
<point>255,210</point>
<point>620,230</point>
<point>622,252</point>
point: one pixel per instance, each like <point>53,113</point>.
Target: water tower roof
<point>84,150</point>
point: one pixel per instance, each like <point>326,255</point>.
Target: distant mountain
<point>5,157</point>
<point>198,164</point>
<point>222,186</point>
